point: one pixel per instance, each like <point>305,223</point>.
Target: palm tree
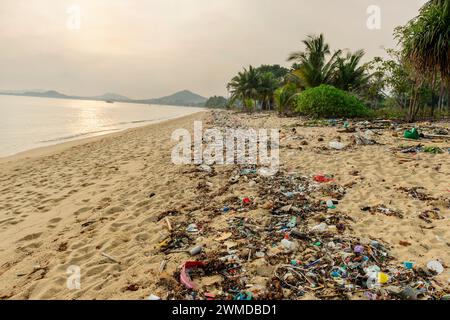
<point>350,75</point>
<point>313,69</point>
<point>426,45</point>
<point>244,85</point>
<point>285,98</point>
<point>268,83</point>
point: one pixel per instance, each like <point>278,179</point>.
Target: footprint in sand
<point>54,220</point>
<point>30,237</point>
<point>52,223</point>
<point>82,210</point>
<point>115,210</point>
<point>33,245</point>
<point>8,221</point>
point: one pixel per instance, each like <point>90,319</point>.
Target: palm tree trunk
<point>264,103</point>
<point>441,97</point>
<point>448,99</point>
<point>413,105</point>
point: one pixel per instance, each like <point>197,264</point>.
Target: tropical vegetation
<point>216,102</point>
<point>409,82</point>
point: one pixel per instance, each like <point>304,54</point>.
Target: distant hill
<point>21,91</point>
<point>46,94</point>
<point>112,96</point>
<point>182,98</point>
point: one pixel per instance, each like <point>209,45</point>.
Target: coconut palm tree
<point>285,98</point>
<point>426,45</point>
<point>268,83</point>
<point>313,67</point>
<point>245,85</point>
<point>350,75</point>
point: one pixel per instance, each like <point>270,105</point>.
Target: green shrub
<point>329,102</point>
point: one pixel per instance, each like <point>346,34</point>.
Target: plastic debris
<point>337,145</point>
<point>196,250</point>
<point>412,134</point>
<point>260,254</point>
<point>383,278</point>
<point>192,228</point>
<point>366,138</point>
<point>292,223</point>
<point>409,293</point>
<point>330,204</point>
<point>205,168</point>
<point>244,296</point>
<point>435,266</point>
<point>288,245</point>
<point>210,296</point>
<point>319,228</point>
<point>248,171</point>
<point>323,178</point>
<point>408,265</point>
<point>184,273</point>
<point>358,249</point>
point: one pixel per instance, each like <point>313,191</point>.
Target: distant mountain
<point>112,96</point>
<point>46,94</point>
<point>38,93</point>
<point>182,98</point>
<point>22,91</point>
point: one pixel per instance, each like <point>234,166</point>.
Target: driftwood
<point>437,136</point>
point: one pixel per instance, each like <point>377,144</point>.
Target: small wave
<point>135,121</point>
<point>123,124</point>
<point>74,136</point>
<point>78,135</point>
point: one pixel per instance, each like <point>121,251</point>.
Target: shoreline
<point>60,146</point>
<point>93,99</point>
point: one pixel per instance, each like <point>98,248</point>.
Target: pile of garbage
<point>303,248</point>
<point>290,241</point>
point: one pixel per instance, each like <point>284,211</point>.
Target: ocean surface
<point>28,122</point>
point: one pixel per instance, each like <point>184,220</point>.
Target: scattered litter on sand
<point>289,240</point>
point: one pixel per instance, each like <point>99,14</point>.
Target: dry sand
<point>66,205</point>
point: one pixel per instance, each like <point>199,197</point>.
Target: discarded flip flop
<point>322,179</point>
<point>184,276</point>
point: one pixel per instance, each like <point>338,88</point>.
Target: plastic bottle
<point>288,245</point>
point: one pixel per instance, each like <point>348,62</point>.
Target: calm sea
<point>28,122</point>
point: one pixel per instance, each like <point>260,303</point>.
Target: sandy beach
<point>106,204</point>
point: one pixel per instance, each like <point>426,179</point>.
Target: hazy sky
<point>150,48</point>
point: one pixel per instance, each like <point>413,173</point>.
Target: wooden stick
<point>178,251</point>
<point>110,258</point>
<point>168,224</point>
<point>162,265</point>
